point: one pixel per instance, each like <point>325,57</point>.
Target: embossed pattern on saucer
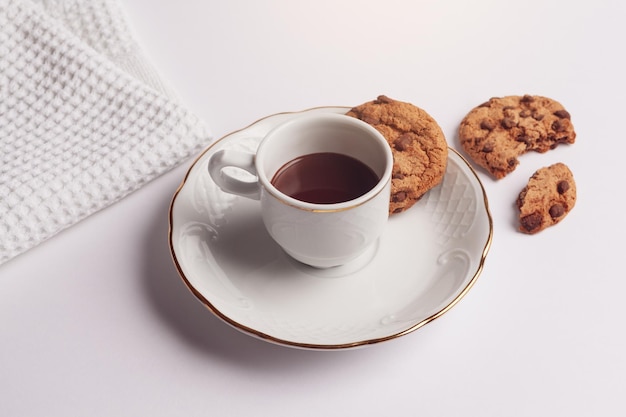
<point>427,260</point>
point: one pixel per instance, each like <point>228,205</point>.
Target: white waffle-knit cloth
<point>84,118</point>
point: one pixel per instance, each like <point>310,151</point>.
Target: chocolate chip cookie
<point>495,133</point>
<point>547,198</point>
<point>418,145</point>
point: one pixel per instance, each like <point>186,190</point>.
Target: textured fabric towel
<point>84,118</point>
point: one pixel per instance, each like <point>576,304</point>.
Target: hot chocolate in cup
<point>323,181</point>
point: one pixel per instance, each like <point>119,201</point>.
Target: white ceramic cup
<point>320,235</point>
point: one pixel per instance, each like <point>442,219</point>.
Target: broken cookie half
<point>547,198</point>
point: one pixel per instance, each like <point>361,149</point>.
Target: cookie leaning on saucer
<point>418,145</point>
<point>547,198</point>
<point>495,133</point>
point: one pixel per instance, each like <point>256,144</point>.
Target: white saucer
<point>426,261</point>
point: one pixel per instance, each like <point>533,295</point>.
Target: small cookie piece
<point>495,133</point>
<point>547,198</point>
<point>418,145</point>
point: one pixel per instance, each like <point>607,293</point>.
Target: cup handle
<point>242,160</point>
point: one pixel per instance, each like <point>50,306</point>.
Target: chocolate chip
<point>511,162</point>
<point>538,116</point>
<point>524,113</point>
<point>562,114</point>
<point>370,120</point>
<point>487,124</point>
<point>397,176</point>
<point>558,126</point>
<point>488,147</point>
<point>557,140</point>
<point>508,123</point>
<point>562,186</point>
<point>398,197</point>
<point>531,222</point>
<point>402,142</point>
<point>527,99</point>
<point>524,139</point>
<point>383,99</point>
<point>556,210</point>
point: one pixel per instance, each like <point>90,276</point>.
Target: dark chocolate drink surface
<point>325,178</point>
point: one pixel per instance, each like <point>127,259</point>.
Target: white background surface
<point>97,322</point>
